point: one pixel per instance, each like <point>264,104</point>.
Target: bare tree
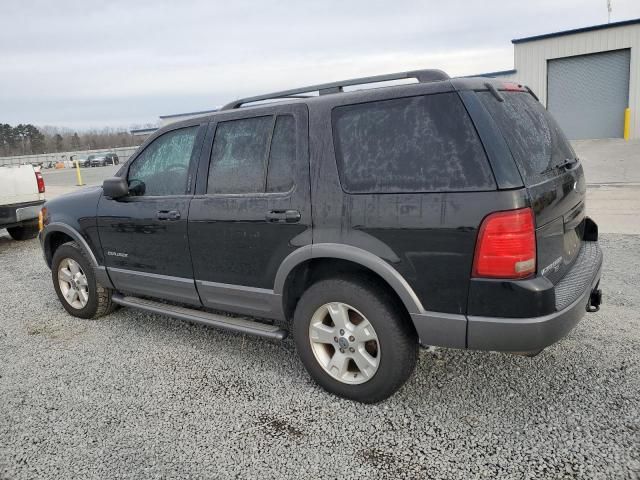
<point>27,139</point>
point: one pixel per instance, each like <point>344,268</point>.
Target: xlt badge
<point>552,267</point>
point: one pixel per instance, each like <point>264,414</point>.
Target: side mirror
<point>115,187</point>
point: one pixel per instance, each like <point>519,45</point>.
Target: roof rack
<point>423,76</point>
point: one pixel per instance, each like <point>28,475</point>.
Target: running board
<point>235,324</point>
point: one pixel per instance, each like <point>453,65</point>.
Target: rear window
<point>253,155</point>
<point>415,144</point>
<point>238,157</point>
<point>535,139</point>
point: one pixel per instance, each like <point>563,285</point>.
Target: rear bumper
<point>12,215</point>
<point>527,329</point>
<point>535,333</point>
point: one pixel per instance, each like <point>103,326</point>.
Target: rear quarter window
<point>409,145</point>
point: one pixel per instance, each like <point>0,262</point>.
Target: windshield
<point>535,139</point>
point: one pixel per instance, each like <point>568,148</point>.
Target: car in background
<point>112,158</point>
<point>21,200</point>
<point>101,160</point>
<point>83,161</point>
<point>97,160</point>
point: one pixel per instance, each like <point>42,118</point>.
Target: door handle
<point>283,216</point>
<point>168,215</point>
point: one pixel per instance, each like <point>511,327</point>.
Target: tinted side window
<point>162,168</point>
<point>282,155</point>
<point>415,144</point>
<point>238,158</point>
<point>535,139</point>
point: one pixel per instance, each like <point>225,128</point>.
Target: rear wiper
<point>494,91</point>
<point>568,163</point>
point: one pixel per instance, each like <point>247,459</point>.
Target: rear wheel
<point>24,232</point>
<point>353,340</point>
<point>75,283</point>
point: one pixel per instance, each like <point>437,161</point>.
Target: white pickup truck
<point>21,198</point>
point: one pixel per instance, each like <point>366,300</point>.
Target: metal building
<point>168,119</point>
<point>587,77</point>
<point>178,117</point>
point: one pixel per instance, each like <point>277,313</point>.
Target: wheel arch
<point>294,265</point>
<point>55,234</point>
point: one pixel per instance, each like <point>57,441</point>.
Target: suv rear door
<point>144,235</point>
<point>252,207</point>
<point>551,172</point>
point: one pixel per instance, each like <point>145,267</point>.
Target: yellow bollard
<point>627,122</point>
<point>78,174</point>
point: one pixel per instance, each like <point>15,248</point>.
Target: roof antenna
<point>608,11</point>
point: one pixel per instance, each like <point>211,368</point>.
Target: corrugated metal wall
<point>531,60</point>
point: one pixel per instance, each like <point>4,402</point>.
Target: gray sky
<point>121,62</point>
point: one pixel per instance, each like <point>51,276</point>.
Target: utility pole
<point>608,11</point>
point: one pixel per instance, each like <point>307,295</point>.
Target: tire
<point>24,232</point>
<point>396,340</point>
<point>98,301</point>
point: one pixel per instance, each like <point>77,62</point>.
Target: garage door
<point>588,94</point>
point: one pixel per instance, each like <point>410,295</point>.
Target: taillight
<point>40,181</point>
<point>506,245</point>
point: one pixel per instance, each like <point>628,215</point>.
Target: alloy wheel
<point>73,282</point>
<point>344,343</point>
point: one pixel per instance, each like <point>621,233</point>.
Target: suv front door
<point>144,235</point>
<point>252,206</point>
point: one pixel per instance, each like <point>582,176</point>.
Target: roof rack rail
<point>423,76</point>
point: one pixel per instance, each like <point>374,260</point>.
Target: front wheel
<point>353,339</point>
<point>75,283</point>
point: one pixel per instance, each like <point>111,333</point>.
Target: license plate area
<point>27,213</point>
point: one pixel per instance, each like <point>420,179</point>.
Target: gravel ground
<point>136,395</point>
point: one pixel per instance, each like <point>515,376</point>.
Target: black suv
<point>111,159</point>
<point>448,212</point>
